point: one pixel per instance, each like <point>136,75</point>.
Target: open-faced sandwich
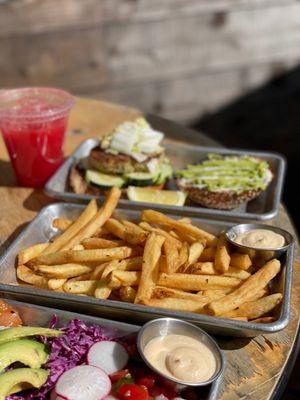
<point>224,182</point>
<point>131,155</point>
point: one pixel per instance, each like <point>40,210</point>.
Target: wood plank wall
<point>179,58</point>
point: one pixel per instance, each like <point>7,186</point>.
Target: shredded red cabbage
<point>66,352</point>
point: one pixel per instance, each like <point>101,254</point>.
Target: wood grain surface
<point>254,366</point>
<point>178,58</point>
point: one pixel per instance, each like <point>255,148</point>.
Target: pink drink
<point>33,122</point>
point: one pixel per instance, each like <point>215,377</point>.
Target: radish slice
<point>54,396</point>
<point>83,382</point>
<point>110,356</point>
<point>110,397</point>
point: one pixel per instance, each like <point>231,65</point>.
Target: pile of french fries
<point>157,261</point>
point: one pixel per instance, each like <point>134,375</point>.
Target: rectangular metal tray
<point>40,230</point>
<point>40,316</point>
<point>182,153</point>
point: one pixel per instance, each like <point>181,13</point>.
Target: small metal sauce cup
<point>254,252</point>
<point>171,326</point>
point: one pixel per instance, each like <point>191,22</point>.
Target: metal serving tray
<point>40,230</point>
<point>182,153</point>
<point>40,316</point>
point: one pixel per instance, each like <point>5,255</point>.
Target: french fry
<point>118,278</point>
<point>185,220</point>
<point>78,247</point>
<point>55,283</point>
<point>183,256</point>
<point>150,267</point>
<point>242,261</point>
<point>208,254</point>
<point>195,251</point>
<point>101,233</point>
<point>196,282</point>
<point>159,218</point>
<point>80,287</point>
<point>100,243</point>
<point>133,264</point>
<point>256,309</point>
<point>102,290</point>
<point>60,290</point>
<point>31,252</point>
<point>172,255</point>
<point>127,293</point>
<point>126,233</point>
<point>207,268</point>
<point>137,229</point>
<point>176,304</point>
<point>82,277</point>
<point>63,270</point>
<point>114,265</point>
<point>61,223</point>
<point>263,320</point>
<point>161,292</point>
<point>171,233</point>
<point>216,294</point>
<point>183,237</point>
<point>239,296</point>
<point>82,256</point>
<point>161,232</point>
<point>25,274</point>
<point>130,264</point>
<point>222,257</point>
<point>61,242</point>
<point>98,270</point>
<point>237,273</point>
<point>97,221</point>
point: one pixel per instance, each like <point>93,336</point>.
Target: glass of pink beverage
<point>33,122</point>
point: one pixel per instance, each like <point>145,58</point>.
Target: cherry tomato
<point>147,381</point>
<point>132,391</point>
<point>116,376</point>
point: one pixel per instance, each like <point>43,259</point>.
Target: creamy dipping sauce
<point>261,239</point>
<point>181,357</point>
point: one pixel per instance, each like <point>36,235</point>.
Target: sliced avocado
<point>103,180</point>
<point>13,379</point>
<point>166,171</point>
<point>9,334</point>
<point>141,179</point>
<point>28,352</point>
<point>19,387</point>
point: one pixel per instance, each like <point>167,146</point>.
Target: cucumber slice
<point>103,180</point>
<point>166,171</point>
<point>141,179</point>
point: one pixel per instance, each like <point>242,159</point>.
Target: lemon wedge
<point>145,195</point>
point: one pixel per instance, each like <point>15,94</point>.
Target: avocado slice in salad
<point>10,334</point>
<point>13,380</point>
<point>230,172</point>
<point>28,352</point>
<point>103,180</point>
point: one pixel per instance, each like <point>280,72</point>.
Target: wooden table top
<point>254,367</point>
